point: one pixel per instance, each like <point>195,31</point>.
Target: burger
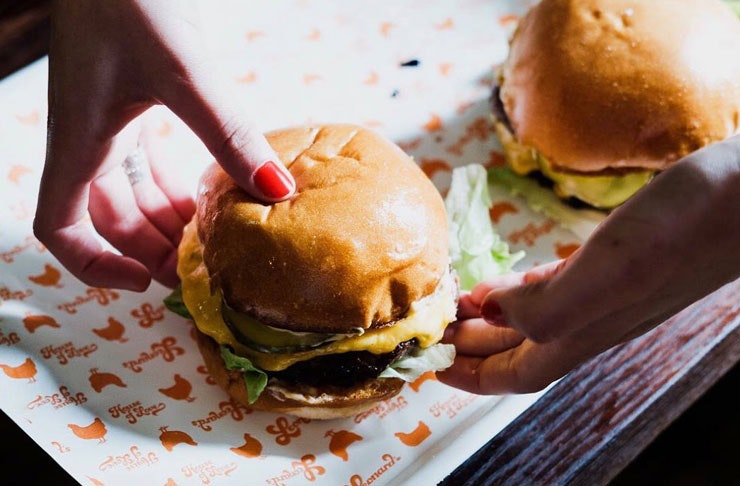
<point>598,96</point>
<point>322,305</point>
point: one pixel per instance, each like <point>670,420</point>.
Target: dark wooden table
<point>585,430</point>
<point>597,419</point>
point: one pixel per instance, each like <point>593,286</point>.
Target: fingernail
<point>272,182</point>
<point>491,312</point>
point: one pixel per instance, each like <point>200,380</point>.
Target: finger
<point>61,216</point>
<point>79,251</point>
<point>479,292</point>
<point>118,219</point>
<point>487,293</point>
<point>526,368</point>
<point>236,143</point>
<point>166,174</point>
<point>150,198</point>
<point>513,279</point>
<point>466,309</point>
<point>475,337</point>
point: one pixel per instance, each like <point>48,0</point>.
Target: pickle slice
<point>267,339</point>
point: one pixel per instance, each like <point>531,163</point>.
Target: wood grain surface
<point>597,419</point>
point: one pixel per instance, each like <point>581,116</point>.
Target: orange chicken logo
<point>50,277</point>
<point>33,322</point>
<point>416,436</point>
<point>171,438</point>
<point>340,440</point>
<point>250,77</point>
<point>446,25</point>
<point>500,209</point>
<point>113,331</point>
<point>564,250</point>
<point>180,390</point>
<point>251,447</point>
<point>434,124</point>
<point>96,430</point>
<point>427,376</point>
<point>431,167</point>
<point>15,173</point>
<point>371,79</point>
<point>30,118</point>
<point>99,380</point>
<point>25,371</point>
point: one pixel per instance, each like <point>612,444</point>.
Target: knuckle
<point>41,230</point>
<point>539,322</point>
<point>236,136</point>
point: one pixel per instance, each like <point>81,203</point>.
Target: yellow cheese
<point>601,191</point>
<point>426,319</point>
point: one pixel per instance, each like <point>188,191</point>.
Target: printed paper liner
<point>111,385</point>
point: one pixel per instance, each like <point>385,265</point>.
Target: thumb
<point>236,143</point>
<point>531,302</point>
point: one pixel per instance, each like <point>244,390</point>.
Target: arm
<point>108,63</point>
<point>674,242</point>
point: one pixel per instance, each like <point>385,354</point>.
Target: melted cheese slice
<point>426,320</point>
<point>601,191</point>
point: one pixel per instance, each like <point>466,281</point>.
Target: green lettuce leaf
<point>734,5</point>
<point>254,378</point>
<point>175,303</point>
<point>581,222</point>
<point>421,360</point>
<point>476,250</point>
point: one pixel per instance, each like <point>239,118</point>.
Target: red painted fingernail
<point>271,181</point>
<point>491,312</point>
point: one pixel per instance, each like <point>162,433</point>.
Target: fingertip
<point>492,313</point>
<point>466,309</point>
<point>272,182</point>
<point>481,290</point>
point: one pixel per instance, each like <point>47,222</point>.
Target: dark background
<point>701,448</point>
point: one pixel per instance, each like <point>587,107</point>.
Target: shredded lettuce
<point>581,222</point>
<point>421,360</point>
<point>254,378</point>
<point>476,250</point>
<point>175,303</point>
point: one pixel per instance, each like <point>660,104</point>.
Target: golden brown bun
<point>363,238</point>
<point>598,84</point>
<point>321,404</point>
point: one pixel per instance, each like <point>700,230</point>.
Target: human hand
<point>669,245</point>
<point>108,63</point>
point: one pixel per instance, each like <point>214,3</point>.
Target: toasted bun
<point>304,402</point>
<point>362,239</point>
<point>622,84</point>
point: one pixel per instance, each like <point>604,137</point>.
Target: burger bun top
<point>615,85</point>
